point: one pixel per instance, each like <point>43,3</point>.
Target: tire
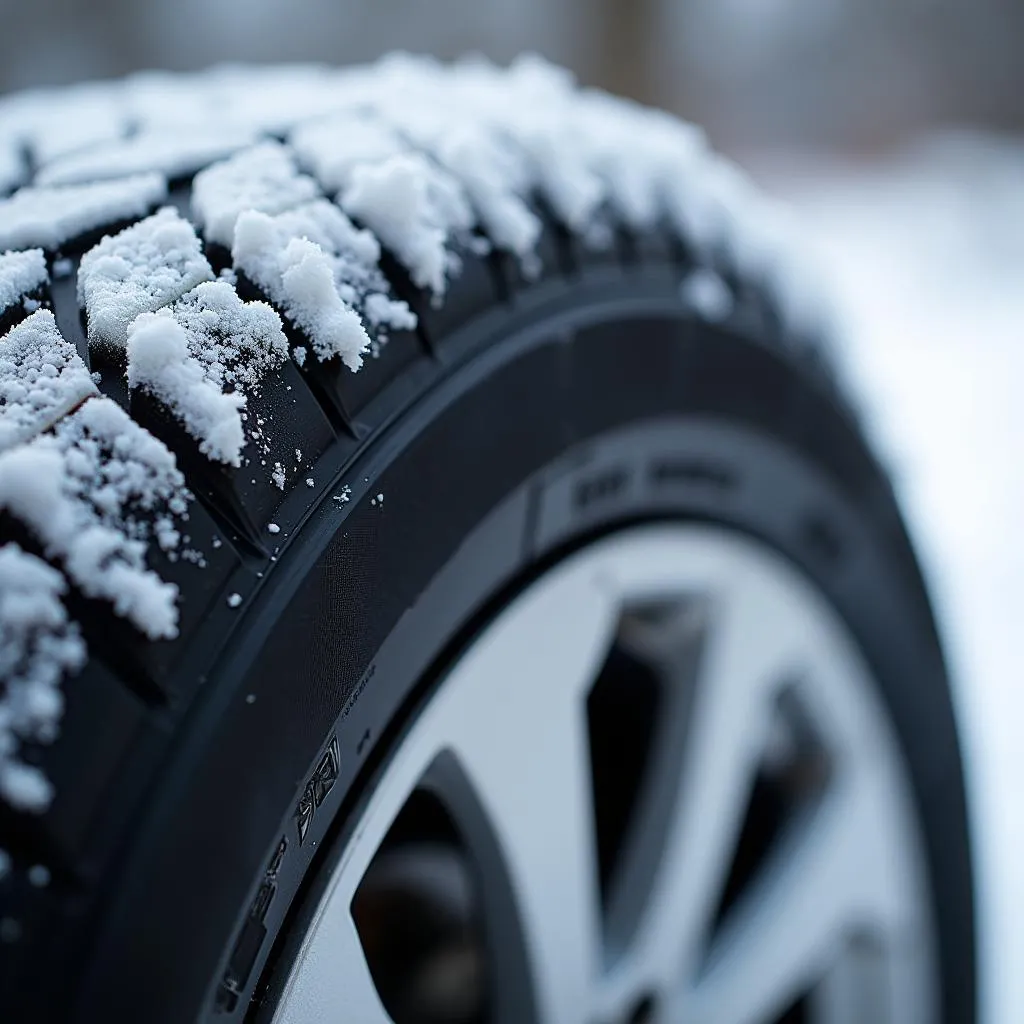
<point>629,369</point>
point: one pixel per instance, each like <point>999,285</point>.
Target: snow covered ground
<point>926,253</point>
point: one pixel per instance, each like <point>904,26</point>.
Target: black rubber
<point>520,421</point>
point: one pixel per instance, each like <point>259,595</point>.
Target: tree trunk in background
<point>627,52</point>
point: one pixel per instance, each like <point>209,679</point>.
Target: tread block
<point>22,278</point>
<point>555,256</point>
<point>81,769</point>
<point>200,568</point>
<point>60,218</point>
<point>352,395</point>
<point>140,269</point>
<point>477,288</point>
<point>42,379</point>
<point>286,431</point>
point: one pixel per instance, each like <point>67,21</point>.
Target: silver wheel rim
<point>838,915</point>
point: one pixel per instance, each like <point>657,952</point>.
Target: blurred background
<point>895,128</point>
<point>847,73</point>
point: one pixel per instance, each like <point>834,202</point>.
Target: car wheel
<point>471,592</point>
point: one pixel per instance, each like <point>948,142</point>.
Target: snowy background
<point>844,108</point>
<point>926,254</point>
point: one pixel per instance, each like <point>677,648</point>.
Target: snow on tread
<point>414,206</point>
<point>264,178</point>
<point>417,210</point>
<point>48,123</point>
<point>427,160</point>
<point>331,147</point>
<point>95,492</point>
<point>173,153</point>
<point>39,646</point>
<point>21,273</point>
<point>138,270</point>
<point>315,246</point>
<point>48,217</point>
<point>42,378</point>
<point>203,357</point>
<point>299,276</point>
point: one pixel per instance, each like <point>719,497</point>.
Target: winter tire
<point>442,579</point>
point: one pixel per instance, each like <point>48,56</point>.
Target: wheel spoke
<point>856,987</point>
<point>754,675</point>
<point>331,982</point>
<point>749,649</point>
<point>791,924</point>
<point>537,795</point>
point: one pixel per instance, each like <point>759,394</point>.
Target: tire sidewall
<point>596,404</point>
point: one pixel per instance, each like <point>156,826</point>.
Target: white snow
<point>49,217</point>
<point>140,269</point>
<point>264,177</point>
<point>160,362</point>
<point>234,600</point>
<point>87,491</point>
<point>416,210</point>
<point>52,122</point>
<point>467,163</point>
<point>39,646</point>
<point>20,274</point>
<point>264,98</point>
<point>322,222</point>
<point>421,153</point>
<point>188,354</point>
<point>238,342</point>
<point>172,152</point>
<point>354,259</point>
<point>299,276</point>
<point>416,207</point>
<point>330,148</point>
<point>42,378</point>
<point>706,293</point>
